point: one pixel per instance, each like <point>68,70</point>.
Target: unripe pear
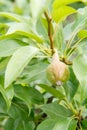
<point>57,71</point>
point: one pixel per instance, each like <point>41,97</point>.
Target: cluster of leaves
<point>30,30</point>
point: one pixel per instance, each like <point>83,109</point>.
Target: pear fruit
<point>57,71</point>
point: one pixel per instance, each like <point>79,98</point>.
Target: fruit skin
<point>57,71</point>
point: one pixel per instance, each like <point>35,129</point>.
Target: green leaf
<point>22,7</point>
<point>15,125</point>
<point>18,61</point>
<point>33,72</point>
<point>81,94</point>
<point>82,34</point>
<point>22,29</point>
<point>8,47</point>
<point>37,7</point>
<point>10,36</point>
<point>71,85</point>
<point>58,124</point>
<point>3,28</point>
<point>47,125</point>
<point>84,124</point>
<point>8,94</point>
<point>72,125</point>
<point>12,16</point>
<point>65,11</point>
<point>41,27</point>
<point>3,65</point>
<point>14,26</point>
<point>3,106</point>
<point>28,95</point>
<point>62,124</point>
<point>18,125</point>
<point>18,110</point>
<point>29,125</point>
<point>58,37</point>
<point>67,31</point>
<point>61,6</point>
<point>52,91</point>
<point>54,110</point>
<point>80,22</point>
<point>57,3</point>
<point>80,70</point>
<point>9,124</point>
<point>82,47</point>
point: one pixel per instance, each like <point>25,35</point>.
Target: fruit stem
<point>55,56</point>
<point>49,20</point>
<point>70,106</point>
<point>74,47</point>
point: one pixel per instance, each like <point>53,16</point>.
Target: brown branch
<point>49,20</point>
